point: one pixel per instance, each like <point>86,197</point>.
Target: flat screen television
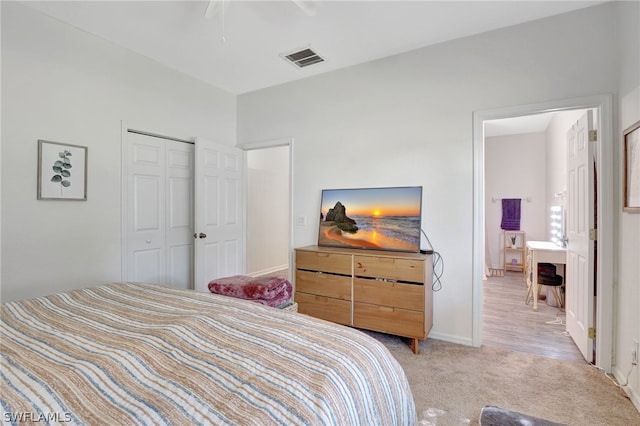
<point>371,218</point>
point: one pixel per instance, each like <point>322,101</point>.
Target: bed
<point>132,353</point>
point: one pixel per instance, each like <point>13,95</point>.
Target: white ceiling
<point>345,33</point>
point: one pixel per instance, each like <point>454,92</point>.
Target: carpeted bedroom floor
<point>451,383</point>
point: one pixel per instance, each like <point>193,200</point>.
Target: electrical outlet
<point>301,220</point>
<point>634,352</point>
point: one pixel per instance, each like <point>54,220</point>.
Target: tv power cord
<point>438,265</point>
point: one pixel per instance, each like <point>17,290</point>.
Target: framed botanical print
<point>62,171</point>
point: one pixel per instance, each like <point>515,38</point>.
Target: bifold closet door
<point>159,204</point>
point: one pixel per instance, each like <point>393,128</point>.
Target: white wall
<point>514,168</point>
<point>627,291</point>
<point>407,120</point>
<point>627,316</point>
<point>62,84</point>
<point>267,210</point>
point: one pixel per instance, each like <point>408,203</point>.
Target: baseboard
<point>632,393</point>
<point>268,270</point>
<point>450,338</point>
<point>633,396</point>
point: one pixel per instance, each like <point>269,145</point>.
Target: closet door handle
<point>200,235</point>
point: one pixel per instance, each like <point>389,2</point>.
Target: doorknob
<point>202,235</point>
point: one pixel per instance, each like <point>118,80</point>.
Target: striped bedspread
<point>130,353</point>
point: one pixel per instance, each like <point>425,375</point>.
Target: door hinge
<point>593,234</point>
<point>593,135</point>
<point>592,333</point>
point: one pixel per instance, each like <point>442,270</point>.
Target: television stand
<point>386,291</point>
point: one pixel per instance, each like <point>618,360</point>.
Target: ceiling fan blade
<point>309,7</point>
<point>213,8</point>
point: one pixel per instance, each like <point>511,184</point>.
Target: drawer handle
<point>386,309</point>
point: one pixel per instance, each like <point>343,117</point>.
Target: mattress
<point>132,353</point>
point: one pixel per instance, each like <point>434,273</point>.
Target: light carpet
<point>452,383</point>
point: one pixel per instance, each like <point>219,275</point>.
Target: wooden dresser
<point>384,291</point>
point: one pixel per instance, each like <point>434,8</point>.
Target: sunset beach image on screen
<point>371,218</point>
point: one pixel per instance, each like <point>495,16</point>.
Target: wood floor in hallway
<point>509,323</point>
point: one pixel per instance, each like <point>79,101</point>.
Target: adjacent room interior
<point>525,162</point>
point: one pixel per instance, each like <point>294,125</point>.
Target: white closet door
<point>145,215</point>
<point>219,249</point>
<point>159,211</point>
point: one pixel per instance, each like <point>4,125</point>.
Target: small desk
<point>539,252</point>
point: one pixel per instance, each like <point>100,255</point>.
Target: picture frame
<point>631,158</point>
<point>62,171</point>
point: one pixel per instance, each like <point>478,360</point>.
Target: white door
<point>158,211</point>
<point>179,213</point>
<point>219,247</point>
<point>580,248</point>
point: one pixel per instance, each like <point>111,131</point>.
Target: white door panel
<point>179,206</point>
<point>231,199</point>
<point>147,199</point>
<point>147,266</point>
<point>145,217</point>
<point>180,265</point>
<point>210,209</point>
<point>219,205</point>
<point>580,248</point>
<point>180,193</point>
<point>231,257</point>
<point>211,262</point>
<point>159,210</point>
<point>146,152</point>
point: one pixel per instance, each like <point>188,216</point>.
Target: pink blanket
<point>271,291</point>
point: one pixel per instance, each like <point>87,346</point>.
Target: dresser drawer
<point>322,261</point>
<point>409,270</point>
<point>400,322</point>
<point>397,295</point>
<point>327,308</point>
<point>323,284</point>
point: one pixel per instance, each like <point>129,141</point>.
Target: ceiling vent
<point>303,57</point>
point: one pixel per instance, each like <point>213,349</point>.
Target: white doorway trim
<point>604,164</point>
<point>273,143</point>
